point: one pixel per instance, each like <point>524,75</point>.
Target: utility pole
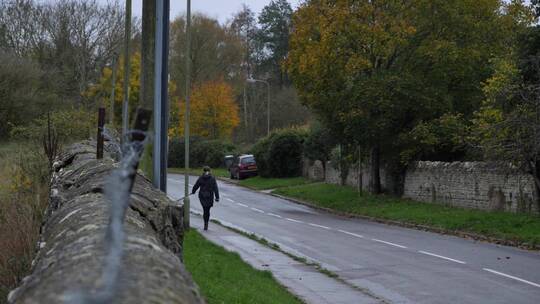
<point>148,54</point>
<point>186,125</point>
<point>113,90</point>
<point>251,80</point>
<point>127,38</point>
<point>146,95</point>
<point>245,112</point>
<point>161,108</point>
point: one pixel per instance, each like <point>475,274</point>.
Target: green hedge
<point>280,154</point>
<point>202,152</point>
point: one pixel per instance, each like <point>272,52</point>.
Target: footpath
<point>303,280</point>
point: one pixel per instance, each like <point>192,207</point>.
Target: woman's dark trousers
<point>206,216</point>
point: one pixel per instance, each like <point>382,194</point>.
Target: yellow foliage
<point>213,112</point>
<point>101,91</point>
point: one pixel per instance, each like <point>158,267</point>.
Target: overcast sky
<point>219,9</point>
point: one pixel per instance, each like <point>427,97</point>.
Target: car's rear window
<point>248,160</point>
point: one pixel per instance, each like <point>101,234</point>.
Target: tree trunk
<point>324,169</point>
<point>536,177</point>
<point>359,173</point>
<point>375,178</point>
<point>343,167</point>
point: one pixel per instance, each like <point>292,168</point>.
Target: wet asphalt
<point>399,265</point>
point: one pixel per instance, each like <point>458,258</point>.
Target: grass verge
<point>218,172</point>
<point>276,247</point>
<point>518,228</point>
<point>224,278</point>
<point>262,183</point>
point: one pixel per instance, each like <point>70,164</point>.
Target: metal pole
<point>268,109</point>
<point>165,96</point>
<point>245,108</point>
<point>186,126</point>
<point>160,96</point>
<point>251,80</point>
<point>127,38</point>
<point>113,90</point>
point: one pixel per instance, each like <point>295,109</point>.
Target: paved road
<point>398,264</point>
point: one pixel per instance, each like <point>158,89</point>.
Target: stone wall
<point>71,250</point>
<point>475,185</point>
<point>332,175</point>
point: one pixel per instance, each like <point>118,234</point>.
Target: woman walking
<point>208,185</point>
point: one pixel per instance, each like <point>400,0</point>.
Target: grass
<point>23,198</point>
<point>276,247</point>
<point>218,172</point>
<point>515,227</point>
<point>224,278</point>
<point>262,183</point>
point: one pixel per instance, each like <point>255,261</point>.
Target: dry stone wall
<point>72,248</point>
<point>314,170</point>
<point>477,185</point>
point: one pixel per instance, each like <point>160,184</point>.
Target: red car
<point>243,166</point>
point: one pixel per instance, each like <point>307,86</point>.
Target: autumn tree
<point>374,70</point>
<point>213,114</point>
<point>507,126</point>
<point>216,52</point>
<point>100,93</point>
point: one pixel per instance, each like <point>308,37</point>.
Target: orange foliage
<point>213,112</point>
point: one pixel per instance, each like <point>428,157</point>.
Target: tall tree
<point>71,40</point>
<point>243,25</point>
<point>213,115</point>
<point>216,52</point>
<point>373,70</point>
<point>273,39</point>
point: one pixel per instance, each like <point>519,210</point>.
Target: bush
<point>319,143</point>
<point>202,152</point>
<point>280,154</point>
<point>176,153</point>
<point>260,151</point>
<point>70,125</point>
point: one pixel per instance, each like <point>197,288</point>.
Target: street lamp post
<point>186,123</point>
<point>251,80</point>
<point>127,37</point>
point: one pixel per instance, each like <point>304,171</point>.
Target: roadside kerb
<point>294,254</point>
<point>458,233</point>
<point>462,234</point>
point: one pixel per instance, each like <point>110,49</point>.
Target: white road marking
<point>274,215</point>
<point>353,234</point>
<point>319,226</point>
<point>442,257</point>
<point>512,277</point>
<point>257,210</point>
<point>388,243</point>
<point>293,220</point>
<point>230,200</point>
<point>240,204</point>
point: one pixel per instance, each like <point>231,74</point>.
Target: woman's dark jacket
<point>209,188</point>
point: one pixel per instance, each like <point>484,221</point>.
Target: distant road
<point>398,264</point>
